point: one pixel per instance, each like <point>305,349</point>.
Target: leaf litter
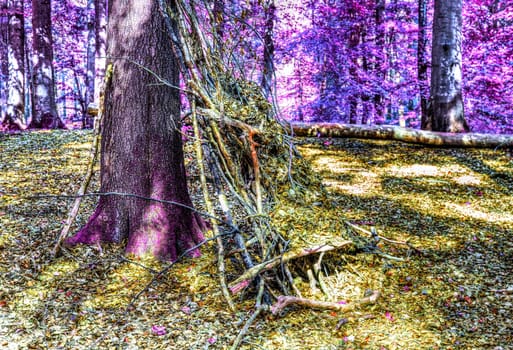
<point>454,290</point>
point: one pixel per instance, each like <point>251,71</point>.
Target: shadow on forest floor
<point>456,291</point>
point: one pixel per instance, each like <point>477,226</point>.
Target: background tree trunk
<point>15,112</point>
<point>3,60</point>
<point>422,65</point>
<point>219,23</point>
<point>446,69</point>
<point>90,64</point>
<point>141,142</point>
<point>379,99</point>
<point>44,108</point>
<point>100,21</point>
<point>269,9</point>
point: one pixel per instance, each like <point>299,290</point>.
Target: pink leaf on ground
<point>388,316</point>
<point>158,330</point>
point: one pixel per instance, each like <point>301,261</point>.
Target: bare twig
<point>244,330</point>
<point>284,301</point>
<point>244,280</point>
<point>210,209</point>
<point>93,156</point>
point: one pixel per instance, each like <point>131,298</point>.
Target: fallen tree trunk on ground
<point>390,132</point>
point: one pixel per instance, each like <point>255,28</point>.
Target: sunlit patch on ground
<point>454,206</point>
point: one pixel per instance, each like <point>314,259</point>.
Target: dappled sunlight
<point>445,203</point>
<point>125,281</point>
<point>468,180</point>
<point>468,210</point>
<point>362,183</point>
<point>415,170</point>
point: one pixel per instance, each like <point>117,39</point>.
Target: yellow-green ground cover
<point>454,291</point>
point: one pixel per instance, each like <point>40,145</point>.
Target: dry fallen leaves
<point>453,205</point>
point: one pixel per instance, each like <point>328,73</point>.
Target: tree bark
<point>15,112</point>
<point>141,141</point>
<point>100,27</point>
<point>422,65</point>
<point>379,98</point>
<point>219,23</point>
<point>3,60</point>
<point>268,59</point>
<point>90,64</point>
<point>446,68</point>
<point>44,108</point>
<point>390,132</point>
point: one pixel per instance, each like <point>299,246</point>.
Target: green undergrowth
<point>453,289</point>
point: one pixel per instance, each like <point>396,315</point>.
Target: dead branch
<point>244,280</point>
<point>284,301</point>
<point>210,209</point>
<point>93,156</point>
<point>502,291</point>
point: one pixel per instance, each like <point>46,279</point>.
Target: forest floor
<point>453,291</point>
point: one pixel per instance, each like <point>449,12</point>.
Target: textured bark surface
<point>446,70</point>
<point>141,144</point>
<point>44,108</point>
<point>100,28</point>
<point>422,64</point>
<point>268,66</point>
<point>389,132</point>
<point>87,121</point>
<point>15,112</point>
<point>379,98</point>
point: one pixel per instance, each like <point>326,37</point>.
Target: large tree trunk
<point>44,108</point>
<point>446,70</point>
<point>141,142</point>
<point>389,132</point>
<point>15,113</point>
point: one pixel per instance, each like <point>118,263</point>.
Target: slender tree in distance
<point>268,60</point>
<point>15,112</point>
<point>379,98</point>
<point>3,59</point>
<point>422,64</point>
<point>90,63</point>
<point>141,142</point>
<point>100,37</point>
<point>446,68</point>
<point>44,108</point>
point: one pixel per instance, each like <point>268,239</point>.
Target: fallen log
<point>391,132</point>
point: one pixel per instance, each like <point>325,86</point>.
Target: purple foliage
<point>336,60</point>
<point>334,57</point>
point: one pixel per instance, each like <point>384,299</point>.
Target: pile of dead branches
<point>246,154</point>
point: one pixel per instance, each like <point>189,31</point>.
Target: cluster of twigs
<point>246,153</point>
<point>241,146</point>
<point>239,143</point>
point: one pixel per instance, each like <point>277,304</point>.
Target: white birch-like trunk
<point>446,72</point>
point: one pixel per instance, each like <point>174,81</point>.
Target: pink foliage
<point>336,60</point>
<point>335,57</point>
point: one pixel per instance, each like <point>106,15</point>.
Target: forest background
<point>334,61</point>
<point>356,62</point>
